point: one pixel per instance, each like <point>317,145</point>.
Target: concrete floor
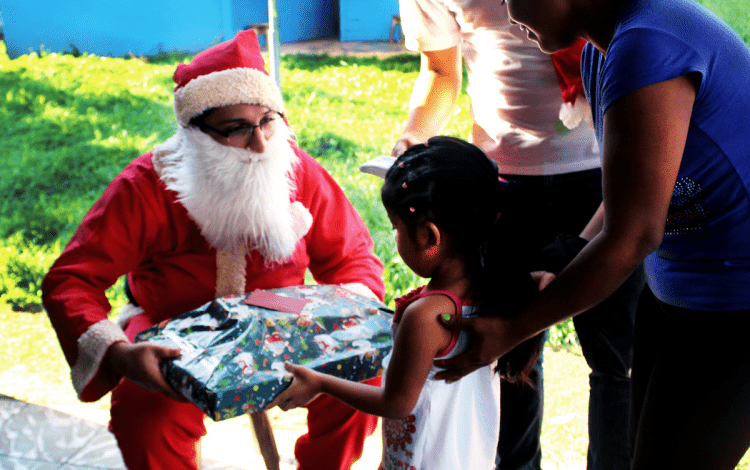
<point>333,46</point>
<point>35,437</point>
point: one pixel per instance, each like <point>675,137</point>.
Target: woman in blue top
<point>669,87</point>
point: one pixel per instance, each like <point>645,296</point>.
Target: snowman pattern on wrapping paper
<point>275,343</point>
<point>246,362</point>
<point>327,344</point>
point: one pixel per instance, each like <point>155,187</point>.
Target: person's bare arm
<point>644,138</point>
<point>594,226</point>
<point>432,98</point>
<point>419,338</point>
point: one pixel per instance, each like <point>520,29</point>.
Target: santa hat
<point>567,64</point>
<point>231,72</point>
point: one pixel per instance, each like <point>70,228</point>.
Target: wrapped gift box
<point>234,348</point>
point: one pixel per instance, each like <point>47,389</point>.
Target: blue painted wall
<point>146,27</point>
<point>114,27</point>
<point>367,20</point>
<point>299,20</point>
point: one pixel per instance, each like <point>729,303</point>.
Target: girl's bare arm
<point>419,338</point>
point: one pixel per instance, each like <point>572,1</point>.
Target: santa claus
<point>229,204</point>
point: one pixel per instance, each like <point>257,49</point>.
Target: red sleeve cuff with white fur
<point>92,346</point>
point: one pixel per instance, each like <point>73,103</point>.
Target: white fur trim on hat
<point>224,88</point>
<point>92,345</point>
<point>572,115</point>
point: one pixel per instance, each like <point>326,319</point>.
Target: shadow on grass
<point>60,149</point>
<point>328,146</point>
<point>405,63</point>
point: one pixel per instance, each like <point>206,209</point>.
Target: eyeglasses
<point>240,135</point>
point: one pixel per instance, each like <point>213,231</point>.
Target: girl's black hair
<point>453,184</point>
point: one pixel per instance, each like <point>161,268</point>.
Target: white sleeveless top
<point>453,426</point>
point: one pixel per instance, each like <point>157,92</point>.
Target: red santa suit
<point>139,228</point>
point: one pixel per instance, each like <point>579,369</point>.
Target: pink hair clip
<point>404,185</point>
<point>411,209</point>
<point>401,164</point>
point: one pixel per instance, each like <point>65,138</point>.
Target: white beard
<point>239,199</point>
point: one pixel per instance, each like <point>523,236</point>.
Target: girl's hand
<point>491,338</point>
<point>305,387</point>
<point>139,363</point>
<point>542,278</point>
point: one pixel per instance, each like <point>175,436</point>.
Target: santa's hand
<point>490,340</point>
<point>305,387</point>
<point>301,219</point>
<point>139,363</point>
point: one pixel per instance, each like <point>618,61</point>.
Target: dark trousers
<point>565,204</point>
<point>691,387</point>
<point>521,423</point>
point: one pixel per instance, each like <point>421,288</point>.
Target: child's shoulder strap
<point>458,303</point>
<point>408,299</point>
<point>420,293</point>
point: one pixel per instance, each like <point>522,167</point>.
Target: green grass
<point>735,13</point>
<point>71,124</point>
<point>74,123</point>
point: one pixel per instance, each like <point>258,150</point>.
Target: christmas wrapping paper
<point>234,347</point>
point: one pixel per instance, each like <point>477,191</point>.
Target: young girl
<point>460,226</point>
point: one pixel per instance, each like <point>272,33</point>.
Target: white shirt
<point>515,95</point>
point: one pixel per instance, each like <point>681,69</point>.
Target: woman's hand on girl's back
<point>305,387</point>
<point>491,338</point>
